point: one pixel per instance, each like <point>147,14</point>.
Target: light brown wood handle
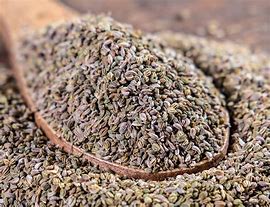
<point>19,15</point>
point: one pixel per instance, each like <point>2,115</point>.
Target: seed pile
<point>35,173</point>
<point>123,96</point>
<point>243,77</point>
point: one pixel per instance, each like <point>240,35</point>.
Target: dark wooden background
<point>243,21</point>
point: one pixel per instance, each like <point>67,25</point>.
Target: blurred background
<point>243,21</point>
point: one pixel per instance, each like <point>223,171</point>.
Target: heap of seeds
<point>242,76</point>
<point>35,173</point>
<point>123,96</point>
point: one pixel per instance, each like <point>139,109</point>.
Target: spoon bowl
<point>15,18</point>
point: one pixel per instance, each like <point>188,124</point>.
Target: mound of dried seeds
<point>242,76</point>
<point>123,96</point>
<point>35,173</point>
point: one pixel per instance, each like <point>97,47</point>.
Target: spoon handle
<point>18,15</point>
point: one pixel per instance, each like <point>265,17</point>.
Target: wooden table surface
<point>243,21</point>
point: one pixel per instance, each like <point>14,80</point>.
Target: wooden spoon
<point>15,16</point>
